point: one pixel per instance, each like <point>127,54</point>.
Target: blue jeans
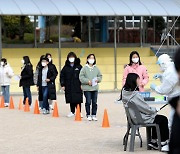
<point>27,94</point>
<point>5,92</point>
<point>41,104</point>
<point>91,96</point>
<point>45,97</point>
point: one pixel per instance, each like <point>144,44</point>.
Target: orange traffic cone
<point>11,104</point>
<point>36,108</point>
<point>105,122</point>
<point>55,111</point>
<point>20,107</point>
<point>78,114</point>
<point>2,102</point>
<point>26,107</point>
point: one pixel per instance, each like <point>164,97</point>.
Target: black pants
<point>73,106</point>
<point>162,121</point>
<point>174,144</point>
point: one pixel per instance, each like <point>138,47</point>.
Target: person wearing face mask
<point>169,81</point>
<point>46,84</point>
<point>90,76</point>
<point>70,83</point>
<point>130,94</point>
<point>26,78</point>
<point>6,73</point>
<point>49,56</point>
<point>135,66</point>
<point>36,79</point>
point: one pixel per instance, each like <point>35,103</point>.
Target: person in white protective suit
<point>169,81</point>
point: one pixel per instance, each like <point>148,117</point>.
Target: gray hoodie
<point>148,113</point>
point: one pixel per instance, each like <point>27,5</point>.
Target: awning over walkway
<point>91,7</point>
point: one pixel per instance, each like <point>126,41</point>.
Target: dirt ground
<point>22,132</point>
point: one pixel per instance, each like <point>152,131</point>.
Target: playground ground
<point>22,132</point>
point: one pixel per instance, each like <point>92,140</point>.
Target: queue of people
<point>76,79</point>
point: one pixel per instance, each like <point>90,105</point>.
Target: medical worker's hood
<point>164,61</point>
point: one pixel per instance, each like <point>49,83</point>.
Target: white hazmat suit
<point>169,81</point>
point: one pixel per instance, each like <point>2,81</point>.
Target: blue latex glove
<point>156,76</point>
<point>153,86</point>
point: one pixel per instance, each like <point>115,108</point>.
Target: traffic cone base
<point>26,107</point>
<point>105,123</point>
<point>11,104</point>
<point>55,111</point>
<point>2,102</point>
<point>20,107</point>
<point>36,108</point>
<point>78,114</point>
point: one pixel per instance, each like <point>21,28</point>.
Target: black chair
<point>134,124</point>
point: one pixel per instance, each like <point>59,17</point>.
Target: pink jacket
<point>140,70</point>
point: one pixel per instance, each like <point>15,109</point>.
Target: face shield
<point>164,60</point>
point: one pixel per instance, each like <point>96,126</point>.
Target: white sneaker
<point>6,104</point>
<point>44,111</point>
<point>165,148</point>
<point>81,115</point>
<point>94,118</point>
<point>51,107</point>
<point>89,118</point>
<point>70,115</point>
<point>47,111</point>
<point>118,101</point>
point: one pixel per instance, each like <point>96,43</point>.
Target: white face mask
<point>22,61</point>
<point>43,64</point>
<point>135,60</point>
<point>2,63</point>
<point>91,61</point>
<point>71,60</point>
<point>50,59</point>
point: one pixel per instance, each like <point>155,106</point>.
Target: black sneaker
<point>153,145</point>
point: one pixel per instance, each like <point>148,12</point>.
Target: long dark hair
<point>40,60</point>
<point>130,58</point>
<point>131,82</point>
<point>27,60</point>
<point>48,54</point>
<point>89,57</point>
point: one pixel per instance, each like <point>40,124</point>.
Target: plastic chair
<point>135,123</point>
<point>128,133</point>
